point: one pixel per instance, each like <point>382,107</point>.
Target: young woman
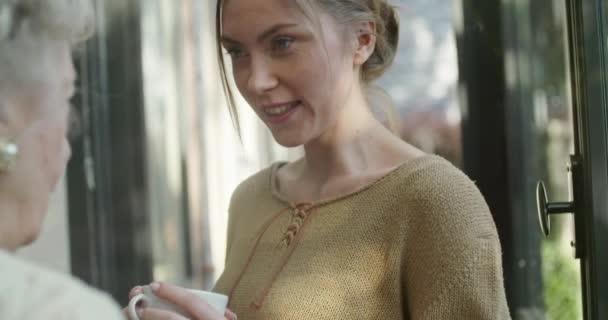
<point>364,225</point>
<point>36,83</point>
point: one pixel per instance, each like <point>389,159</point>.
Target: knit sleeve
<point>452,261</point>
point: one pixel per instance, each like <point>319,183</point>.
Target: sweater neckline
<point>404,166</point>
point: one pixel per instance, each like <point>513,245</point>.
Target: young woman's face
<point>38,119</point>
<point>292,70</point>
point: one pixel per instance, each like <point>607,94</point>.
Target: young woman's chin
<point>289,138</point>
<point>288,142</point>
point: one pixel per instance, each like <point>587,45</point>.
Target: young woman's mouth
<point>279,113</point>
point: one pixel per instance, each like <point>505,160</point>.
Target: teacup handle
<point>132,307</point>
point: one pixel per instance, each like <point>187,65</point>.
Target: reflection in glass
<point>422,82</point>
<point>561,274</point>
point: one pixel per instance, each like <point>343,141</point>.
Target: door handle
<point>546,209</point>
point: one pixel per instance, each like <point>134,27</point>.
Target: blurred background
<point>484,84</point>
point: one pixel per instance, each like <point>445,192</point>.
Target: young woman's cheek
<point>240,76</point>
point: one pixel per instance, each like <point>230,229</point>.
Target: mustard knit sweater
<point>419,243</point>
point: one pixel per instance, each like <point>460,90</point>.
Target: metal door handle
<point>546,208</point>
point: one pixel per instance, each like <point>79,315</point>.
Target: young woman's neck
<point>350,146</point>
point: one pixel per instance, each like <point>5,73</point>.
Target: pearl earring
<point>8,154</point>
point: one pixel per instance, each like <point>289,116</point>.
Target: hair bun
<point>387,40</point>
<point>391,27</point>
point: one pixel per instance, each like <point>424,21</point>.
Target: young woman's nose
<point>262,77</point>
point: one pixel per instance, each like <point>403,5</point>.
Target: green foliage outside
<point>561,281</point>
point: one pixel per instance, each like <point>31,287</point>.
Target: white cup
<point>149,299</point>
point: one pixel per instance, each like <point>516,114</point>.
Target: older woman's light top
<point>31,292</point>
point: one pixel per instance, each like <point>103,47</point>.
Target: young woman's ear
<point>365,45</point>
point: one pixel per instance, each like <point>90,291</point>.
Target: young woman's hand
<point>196,307</point>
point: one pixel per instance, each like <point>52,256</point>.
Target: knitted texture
<point>419,243</point>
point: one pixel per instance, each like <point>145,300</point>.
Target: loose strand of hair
<point>234,115</point>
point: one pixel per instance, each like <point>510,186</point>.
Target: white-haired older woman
<point>36,82</point>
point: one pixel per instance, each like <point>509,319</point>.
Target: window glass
<point>423,81</point>
<point>553,118</point>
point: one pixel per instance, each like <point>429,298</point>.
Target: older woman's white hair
<point>29,27</point>
<point>29,31</point>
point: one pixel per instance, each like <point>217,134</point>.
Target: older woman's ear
<point>365,45</point>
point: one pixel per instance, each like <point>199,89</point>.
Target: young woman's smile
<point>280,113</point>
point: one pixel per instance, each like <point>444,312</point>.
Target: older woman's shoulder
<point>28,292</point>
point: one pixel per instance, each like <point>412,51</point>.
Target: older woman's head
<point>36,83</point>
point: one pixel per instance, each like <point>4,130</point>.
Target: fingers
<point>229,315</point>
<point>188,301</point>
<point>157,314</point>
<point>135,291</point>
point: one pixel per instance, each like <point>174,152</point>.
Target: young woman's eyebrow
<point>264,35</point>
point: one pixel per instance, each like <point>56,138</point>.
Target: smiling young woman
<point>364,225</point>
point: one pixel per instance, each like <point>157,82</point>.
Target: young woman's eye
<point>282,43</point>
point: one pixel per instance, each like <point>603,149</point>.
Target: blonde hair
<point>346,13</point>
<point>29,29</point>
<point>351,12</point>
